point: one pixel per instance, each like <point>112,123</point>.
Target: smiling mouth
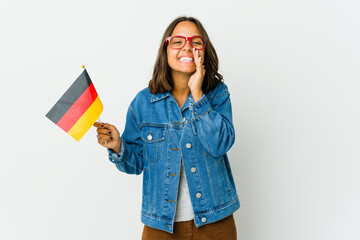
<point>186,59</point>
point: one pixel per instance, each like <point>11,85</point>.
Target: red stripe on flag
<point>78,108</point>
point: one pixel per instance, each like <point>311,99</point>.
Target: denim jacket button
<point>198,195</point>
<point>188,145</point>
<point>149,137</point>
<point>193,169</point>
<point>203,219</point>
<point>184,119</point>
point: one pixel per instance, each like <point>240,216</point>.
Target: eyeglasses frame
<point>186,39</point>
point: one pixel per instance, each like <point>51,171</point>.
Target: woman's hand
<point>108,136</point>
<point>196,80</point>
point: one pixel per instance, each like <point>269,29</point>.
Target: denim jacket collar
<point>160,96</point>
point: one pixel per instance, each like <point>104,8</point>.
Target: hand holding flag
<point>108,136</point>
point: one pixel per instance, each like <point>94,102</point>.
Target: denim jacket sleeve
<point>130,158</point>
<point>213,122</point>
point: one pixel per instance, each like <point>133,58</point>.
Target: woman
<point>177,133</point>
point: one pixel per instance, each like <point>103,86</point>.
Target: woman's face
<point>175,56</point>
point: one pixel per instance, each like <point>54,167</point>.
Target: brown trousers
<point>224,229</point>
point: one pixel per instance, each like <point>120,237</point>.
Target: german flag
<point>77,110</point>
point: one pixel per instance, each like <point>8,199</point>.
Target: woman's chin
<point>189,70</point>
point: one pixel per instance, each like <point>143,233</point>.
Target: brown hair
<point>162,81</point>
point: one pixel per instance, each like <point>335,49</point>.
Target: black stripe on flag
<point>69,97</point>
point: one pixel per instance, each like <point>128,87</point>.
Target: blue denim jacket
<point>158,134</point>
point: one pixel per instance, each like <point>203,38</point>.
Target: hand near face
<point>195,81</point>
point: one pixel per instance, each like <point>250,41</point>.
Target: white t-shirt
<point>184,209</point>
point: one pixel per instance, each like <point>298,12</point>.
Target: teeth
<point>186,59</point>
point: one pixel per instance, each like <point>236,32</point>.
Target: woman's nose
<point>187,46</point>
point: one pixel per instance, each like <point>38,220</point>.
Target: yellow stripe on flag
<point>86,120</point>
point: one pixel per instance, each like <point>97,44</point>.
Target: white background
<point>292,68</point>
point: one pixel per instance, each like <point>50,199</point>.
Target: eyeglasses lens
<point>178,42</point>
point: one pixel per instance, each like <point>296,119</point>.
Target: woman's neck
<point>181,90</point>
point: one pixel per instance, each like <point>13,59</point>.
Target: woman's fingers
<point>105,137</point>
<point>105,128</point>
<point>108,136</point>
<point>106,140</point>
<point>102,141</point>
<point>104,131</point>
<point>198,60</point>
<point>109,126</point>
<point>196,57</point>
<point>98,125</point>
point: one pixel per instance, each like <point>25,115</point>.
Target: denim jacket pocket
<point>154,141</point>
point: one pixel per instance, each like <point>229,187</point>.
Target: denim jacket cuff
<point>118,158</point>
<point>201,107</point>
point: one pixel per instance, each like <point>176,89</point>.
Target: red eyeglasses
<point>178,42</point>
